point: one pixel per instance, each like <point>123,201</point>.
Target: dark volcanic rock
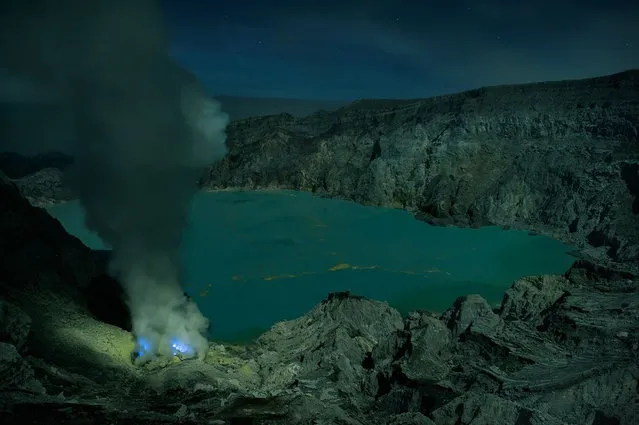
<point>559,350</point>
<point>39,178</point>
<point>560,158</point>
<point>45,187</point>
<point>38,256</point>
<point>15,325</point>
<point>337,343</point>
<point>17,374</point>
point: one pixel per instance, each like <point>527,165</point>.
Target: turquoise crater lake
<point>254,258</point>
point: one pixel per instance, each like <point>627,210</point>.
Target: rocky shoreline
<point>559,350</point>
<point>560,159</point>
<point>557,158</point>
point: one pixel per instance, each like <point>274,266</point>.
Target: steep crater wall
<point>559,158</point>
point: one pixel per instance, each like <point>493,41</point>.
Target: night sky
<point>346,49</point>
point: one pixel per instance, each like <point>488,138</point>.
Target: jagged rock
<point>506,370</point>
<point>196,376</point>
<point>15,325</point>
<point>413,418</point>
<point>430,344</point>
<point>333,343</point>
<point>40,178</point>
<point>45,187</point>
<point>488,409</point>
<point>16,374</point>
<point>529,297</point>
<point>182,412</point>
<point>466,311</point>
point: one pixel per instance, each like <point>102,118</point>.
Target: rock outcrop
<point>39,178</point>
<point>559,350</point>
<point>559,158</point>
<point>45,187</point>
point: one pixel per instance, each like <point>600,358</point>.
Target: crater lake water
<point>254,258</point>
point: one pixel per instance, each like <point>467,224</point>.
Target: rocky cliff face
<point>40,178</point>
<point>561,158</point>
<point>560,350</point>
<point>558,158</point>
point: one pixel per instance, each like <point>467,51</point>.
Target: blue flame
<point>178,347</point>
<point>144,346</point>
<point>181,348</point>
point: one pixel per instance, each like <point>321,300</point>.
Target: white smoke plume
<point>143,129</point>
<point>136,178</point>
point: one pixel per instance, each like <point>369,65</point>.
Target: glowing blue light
<point>181,348</point>
<point>144,346</point>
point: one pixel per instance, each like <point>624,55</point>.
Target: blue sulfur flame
<point>181,348</point>
<point>144,346</point>
<point>177,348</point>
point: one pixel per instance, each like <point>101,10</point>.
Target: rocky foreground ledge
<point>559,350</point>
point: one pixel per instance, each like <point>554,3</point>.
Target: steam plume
<point>138,160</point>
<point>144,128</point>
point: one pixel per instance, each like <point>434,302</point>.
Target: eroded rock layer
<point>558,158</point>
<point>561,158</point>
<point>559,350</point>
